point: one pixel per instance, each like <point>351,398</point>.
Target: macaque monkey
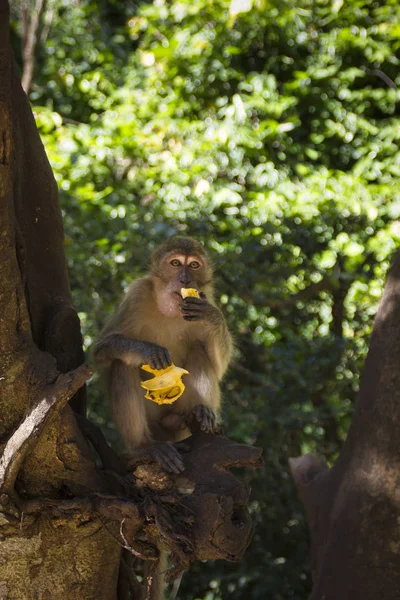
<point>154,325</point>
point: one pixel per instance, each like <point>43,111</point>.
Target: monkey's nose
<point>185,278</point>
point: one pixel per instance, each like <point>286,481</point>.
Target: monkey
<point>154,325</point>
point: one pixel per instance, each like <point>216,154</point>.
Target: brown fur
<point>150,312</point>
<point>204,349</point>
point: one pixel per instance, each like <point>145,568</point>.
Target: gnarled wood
<point>353,509</point>
<point>53,398</point>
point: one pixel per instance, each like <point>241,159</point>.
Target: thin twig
<point>382,75</point>
<point>30,45</point>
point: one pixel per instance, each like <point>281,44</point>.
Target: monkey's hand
<point>206,418</point>
<point>154,355</point>
<point>199,309</point>
<point>167,456</point>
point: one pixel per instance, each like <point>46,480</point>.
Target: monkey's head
<point>182,262</point>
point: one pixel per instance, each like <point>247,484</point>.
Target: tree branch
<point>29,44</point>
<point>199,514</point>
<point>54,398</point>
<point>305,469</point>
<point>109,459</point>
<point>109,507</point>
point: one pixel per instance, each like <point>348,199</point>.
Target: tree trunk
<point>51,557</point>
<point>63,520</point>
<point>353,509</point>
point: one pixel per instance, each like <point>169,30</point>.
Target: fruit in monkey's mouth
<point>185,292</point>
<point>166,386</point>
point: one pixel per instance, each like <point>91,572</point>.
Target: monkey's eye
<point>195,265</point>
<point>175,262</point>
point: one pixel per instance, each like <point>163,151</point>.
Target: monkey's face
<point>180,262</point>
<point>177,270</point>
<point>182,270</point>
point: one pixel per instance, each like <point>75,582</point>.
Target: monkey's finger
<point>168,465</point>
<point>171,453</point>
<point>206,417</point>
<point>151,362</point>
<point>193,310</point>
<point>177,465</point>
<point>201,305</point>
<point>198,412</point>
<point>174,461</point>
<point>205,424</point>
<point>165,358</point>
<point>156,362</point>
<point>211,417</point>
<point>192,301</point>
<point>165,460</point>
<point>168,358</point>
<point>213,424</point>
<point>162,357</point>
<point>191,318</point>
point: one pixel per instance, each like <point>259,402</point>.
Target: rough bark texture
<point>353,509</point>
<point>39,337</point>
<point>63,520</point>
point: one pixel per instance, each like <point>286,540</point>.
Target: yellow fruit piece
<point>185,292</point>
<point>166,386</point>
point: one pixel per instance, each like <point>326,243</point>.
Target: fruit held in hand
<point>185,292</point>
<point>167,385</point>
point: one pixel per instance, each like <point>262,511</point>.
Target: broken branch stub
<point>200,514</point>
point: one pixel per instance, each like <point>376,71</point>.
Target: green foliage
<point>268,130</point>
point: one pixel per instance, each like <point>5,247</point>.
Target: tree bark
<point>353,509</point>
<point>54,557</point>
<point>63,520</point>
<point>31,29</point>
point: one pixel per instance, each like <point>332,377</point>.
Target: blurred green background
<point>270,130</point>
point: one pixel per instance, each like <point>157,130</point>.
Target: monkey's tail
<point>156,579</point>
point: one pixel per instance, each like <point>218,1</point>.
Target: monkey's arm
<point>130,351</point>
<point>118,340</point>
<point>218,340</point>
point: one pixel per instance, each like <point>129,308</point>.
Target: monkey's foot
<point>206,418</point>
<point>168,457</point>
